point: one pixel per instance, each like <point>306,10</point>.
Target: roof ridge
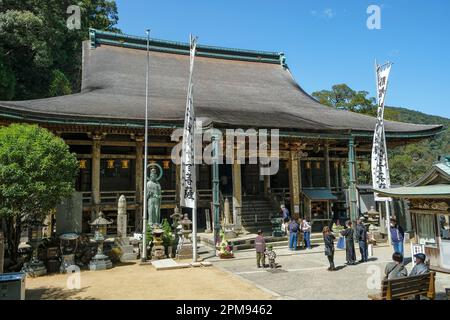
<point>98,37</point>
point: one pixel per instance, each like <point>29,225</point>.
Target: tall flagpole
<point>380,166</point>
<point>144,210</point>
<point>188,170</point>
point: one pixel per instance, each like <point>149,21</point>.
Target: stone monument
<point>153,198</point>
<point>228,227</point>
<point>69,215</point>
<point>208,221</point>
<point>122,240</point>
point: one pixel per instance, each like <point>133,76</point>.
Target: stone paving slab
<point>168,264</point>
<point>304,274</point>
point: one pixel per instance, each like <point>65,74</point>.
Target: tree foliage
<point>60,85</point>
<point>36,42</point>
<point>406,163</point>
<point>343,97</point>
<point>36,172</point>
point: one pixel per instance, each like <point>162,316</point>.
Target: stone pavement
<point>303,274</point>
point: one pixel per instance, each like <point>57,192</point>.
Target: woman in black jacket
<point>329,238</point>
<point>349,234</point>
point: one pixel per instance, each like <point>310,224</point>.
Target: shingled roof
<point>231,87</point>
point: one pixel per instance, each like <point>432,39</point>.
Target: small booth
<point>429,202</point>
<point>317,207</point>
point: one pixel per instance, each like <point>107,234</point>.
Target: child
<point>271,255</point>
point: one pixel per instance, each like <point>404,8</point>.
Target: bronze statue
<point>153,198</point>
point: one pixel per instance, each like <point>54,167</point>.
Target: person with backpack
<point>293,233</point>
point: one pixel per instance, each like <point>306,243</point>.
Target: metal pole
<point>194,230</point>
<point>144,213</point>
<point>215,182</point>
<point>388,220</point>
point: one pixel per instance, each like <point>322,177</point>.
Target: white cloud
<point>313,13</point>
<point>329,13</point>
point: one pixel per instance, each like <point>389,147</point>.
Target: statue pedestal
<point>35,268</point>
<point>100,262</point>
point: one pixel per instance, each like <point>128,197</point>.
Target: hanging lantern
<point>82,164</point>
<point>318,165</point>
<point>166,164</point>
<point>125,164</point>
<point>110,164</point>
<point>308,164</point>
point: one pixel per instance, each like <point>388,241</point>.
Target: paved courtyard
<point>142,282</point>
<point>303,274</point>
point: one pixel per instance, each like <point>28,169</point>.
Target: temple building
<point>233,89</point>
<point>429,205</point>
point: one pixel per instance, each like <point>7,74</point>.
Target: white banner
<point>380,167</point>
<point>188,174</point>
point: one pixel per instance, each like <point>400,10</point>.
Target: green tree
<point>36,41</point>
<point>36,172</point>
<point>406,163</point>
<point>59,85</point>
<point>343,97</point>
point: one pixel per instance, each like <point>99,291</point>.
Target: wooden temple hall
<point>104,125</point>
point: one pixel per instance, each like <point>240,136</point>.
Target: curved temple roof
<point>231,87</point>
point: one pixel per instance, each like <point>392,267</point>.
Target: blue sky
<point>325,42</point>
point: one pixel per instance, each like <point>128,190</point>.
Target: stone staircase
<point>256,214</point>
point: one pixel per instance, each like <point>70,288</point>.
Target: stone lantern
<point>35,267</point>
<point>100,261</point>
<point>184,248</point>
<point>158,251</point>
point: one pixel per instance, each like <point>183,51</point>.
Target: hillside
<point>408,163</point>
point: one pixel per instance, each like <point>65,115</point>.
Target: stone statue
<point>153,198</point>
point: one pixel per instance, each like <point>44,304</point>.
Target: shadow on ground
<point>52,293</point>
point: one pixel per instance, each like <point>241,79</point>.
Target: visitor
<point>300,237</point>
<point>306,229</point>
<point>420,267</point>
<point>286,217</point>
<point>293,232</point>
<point>361,235</point>
<point>328,238</point>
<point>260,248</point>
<point>395,269</point>
<point>397,236</point>
<point>349,234</point>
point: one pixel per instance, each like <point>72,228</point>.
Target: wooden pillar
<point>352,180</point>
<point>139,174</point>
<point>237,194</point>
<point>294,183</point>
<point>266,184</point>
<point>336,174</point>
<point>327,166</point>
<point>96,147</point>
